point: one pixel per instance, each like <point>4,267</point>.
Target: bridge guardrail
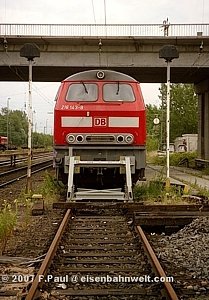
<point>132,30</point>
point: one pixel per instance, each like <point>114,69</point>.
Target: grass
<point>201,191</point>
<point>22,207</point>
<point>23,204</point>
<point>155,192</point>
<point>8,221</point>
<point>205,171</point>
<point>50,189</point>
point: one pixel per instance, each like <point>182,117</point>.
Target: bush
<point>149,190</point>
<point>51,189</point>
<point>156,191</point>
<point>50,186</point>
<point>152,144</point>
<point>177,159</point>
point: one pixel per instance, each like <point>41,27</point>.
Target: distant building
<point>186,143</point>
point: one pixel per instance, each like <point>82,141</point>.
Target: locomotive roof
<point>91,75</point>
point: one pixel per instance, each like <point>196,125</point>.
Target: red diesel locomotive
<point>99,115</point>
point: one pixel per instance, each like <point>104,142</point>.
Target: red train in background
<point>3,143</point>
<point>99,116</point>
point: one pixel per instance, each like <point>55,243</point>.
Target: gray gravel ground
<point>186,255</point>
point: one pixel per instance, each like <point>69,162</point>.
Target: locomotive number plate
<point>71,107</point>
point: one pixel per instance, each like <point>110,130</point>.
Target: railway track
<point>98,252</point>
<point>11,176</point>
<point>8,161</point>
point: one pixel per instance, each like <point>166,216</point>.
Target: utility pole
<point>8,99</point>
<point>34,120</point>
<point>46,125</point>
<point>168,52</point>
<point>29,51</point>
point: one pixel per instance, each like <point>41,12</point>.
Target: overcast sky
<point>88,12</point>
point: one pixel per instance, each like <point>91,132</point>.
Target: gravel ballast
<point>185,255</point>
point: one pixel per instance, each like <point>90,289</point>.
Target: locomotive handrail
<point>131,30</point>
<point>125,162</point>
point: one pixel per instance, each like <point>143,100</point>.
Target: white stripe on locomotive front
<point>76,122</point>
<point>87,122</point>
<point>123,122</point>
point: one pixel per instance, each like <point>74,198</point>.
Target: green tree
<point>153,131</point>
<point>18,129</point>
<point>183,110</point>
<point>41,140</point>
<point>17,125</point>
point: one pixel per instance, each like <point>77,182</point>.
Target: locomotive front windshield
<point>118,91</point>
<point>82,92</point>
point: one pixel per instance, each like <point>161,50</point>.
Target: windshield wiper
<point>118,88</point>
<point>84,87</point>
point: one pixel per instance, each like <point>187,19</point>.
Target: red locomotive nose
<point>96,111</point>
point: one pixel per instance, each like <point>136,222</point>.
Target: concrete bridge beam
<point>136,56</point>
<point>202,89</point>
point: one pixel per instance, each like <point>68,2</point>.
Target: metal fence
<point>99,30</point>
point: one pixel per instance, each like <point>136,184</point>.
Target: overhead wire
<point>191,71</point>
<point>203,10</point>
<point>105,23</point>
<point>204,62</point>
<point>42,95</point>
<point>197,60</point>
<point>5,11</point>
<point>100,42</point>
<point>92,3</point>
<point>20,75</point>
<point>105,13</point>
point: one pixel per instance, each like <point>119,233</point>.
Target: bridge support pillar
<point>202,89</point>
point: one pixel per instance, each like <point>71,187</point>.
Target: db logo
<point>100,122</point>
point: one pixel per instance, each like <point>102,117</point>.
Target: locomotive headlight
<point>100,75</point>
<point>129,139</point>
<point>70,138</point>
<point>79,138</point>
<point>120,138</point>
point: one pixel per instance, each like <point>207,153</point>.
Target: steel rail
<point>42,273</point>
<point>48,258</point>
<point>156,264</point>
<point>6,163</point>
<point>24,176</point>
<point>24,167</point>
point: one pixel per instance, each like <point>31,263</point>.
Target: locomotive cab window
<point>82,92</point>
<point>118,91</point>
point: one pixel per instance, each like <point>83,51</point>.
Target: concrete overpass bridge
<point>132,49</point>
